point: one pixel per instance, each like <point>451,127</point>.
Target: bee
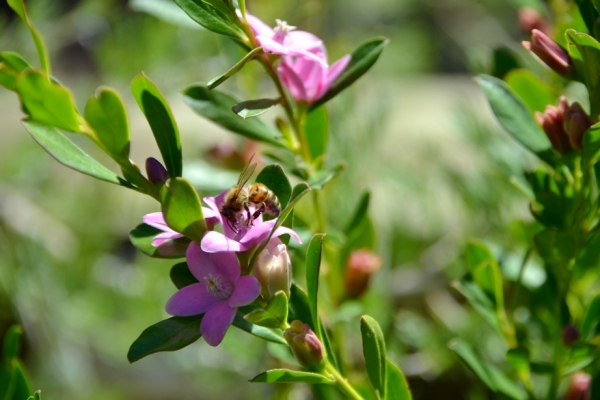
<point>239,198</point>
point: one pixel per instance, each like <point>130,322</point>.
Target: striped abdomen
<point>260,194</point>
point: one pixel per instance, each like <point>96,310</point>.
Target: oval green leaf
<point>375,355</point>
<point>212,18</point>
<point>290,376</point>
<point>313,267</point>
<point>254,108</point>
<point>397,386</point>
<point>105,112</point>
<point>141,237</point>
<point>535,93</point>
<point>217,106</point>
<point>11,65</point>
<point>67,153</point>
<point>516,119</point>
<point>181,276</point>
<point>585,53</point>
<point>159,116</point>
<point>258,331</point>
<point>169,335</point>
<point>182,209</point>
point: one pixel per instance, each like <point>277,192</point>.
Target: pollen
<point>221,289</point>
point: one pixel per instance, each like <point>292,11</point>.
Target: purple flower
<point>156,220</point>
<point>219,292</point>
<point>245,238</point>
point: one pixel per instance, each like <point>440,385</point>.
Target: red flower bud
<point>569,335</point>
<point>530,19</point>
<point>361,265</point>
<point>551,53</point>
<point>579,387</point>
<point>305,345</point>
<point>157,174</point>
<point>576,123</point>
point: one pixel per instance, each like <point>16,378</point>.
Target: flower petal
<point>258,27</point>
<point>257,234</point>
<point>213,242</point>
<point>156,220</point>
<point>282,230</point>
<point>163,237</point>
<point>202,264</point>
<point>191,300</point>
<point>216,321</point>
<point>247,289</point>
<point>292,81</point>
<point>335,70</point>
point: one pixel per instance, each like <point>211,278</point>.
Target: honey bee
<point>238,198</point>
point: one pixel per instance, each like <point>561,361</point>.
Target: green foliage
<point>14,380</point>
<point>397,387</point>
<point>375,355</point>
<point>274,315</point>
<point>267,334</point>
<point>585,53</point>
<point>159,116</point>
<point>141,237</point>
<point>254,108</point>
<point>217,19</point>
<point>182,209</point>
<point>535,93</point>
<point>316,129</point>
<point>169,335</point>
<point>233,70</point>
<point>289,376</point>
<point>181,276</point>
<point>19,7</point>
<point>11,65</point>
<point>313,267</point>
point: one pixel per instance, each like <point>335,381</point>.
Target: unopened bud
<point>274,269</point>
<point>569,335</point>
<point>551,53</point>
<point>530,19</point>
<point>579,387</point>
<point>552,122</point>
<point>576,123</point>
<point>305,345</point>
<point>157,174</point>
<point>361,265</point>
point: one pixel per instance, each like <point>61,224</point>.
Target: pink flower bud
<point>361,265</point>
<point>579,387</point>
<point>576,123</point>
<point>530,19</point>
<point>570,334</point>
<point>274,269</point>
<point>552,122</point>
<point>551,53</point>
<point>305,345</point>
<point>157,174</point>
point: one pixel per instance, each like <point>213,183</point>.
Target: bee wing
<point>245,175</point>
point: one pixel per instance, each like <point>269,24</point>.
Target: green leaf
<point>313,266</point>
<point>505,60</point>
<point>141,237</point>
<point>182,209</point>
<point>555,247</point>
<point>217,106</point>
<point>374,352</point>
<point>480,302</point>
<point>585,53</point>
<point>591,318</point>
<point>489,375</point>
<point>535,93</point>
<point>212,18</point>
<point>258,331</point>
<point>233,70</point>
<point>318,179</point>
<point>591,144</point>
<point>274,178</point>
<point>20,9</point>
<point>169,335</point>
<point>22,385</point>
<point>11,65</point>
<point>254,108</point>
<point>589,12</point>
<point>105,112</point>
<point>12,339</point>
<point>397,386</point>
<point>181,276</point>
<point>67,153</point>
<point>274,316</point>
<point>316,131</point>
<point>362,60</point>
<point>516,119</point>
<point>36,396</point>
<point>519,360</point>
<point>359,213</point>
<point>289,376</point>
<point>485,270</point>
<point>48,103</point>
<point>299,308</point>
<point>164,10</point>
<point>159,116</point>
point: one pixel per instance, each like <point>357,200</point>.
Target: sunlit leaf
<point>289,376</point>
<point>254,108</point>
<point>585,53</point>
<point>19,7</point>
<point>274,315</point>
<point>397,386</point>
<point>267,334</point>
<point>212,18</point>
<point>375,354</point>
<point>182,209</point>
<point>535,93</point>
<point>313,267</point>
<point>11,64</point>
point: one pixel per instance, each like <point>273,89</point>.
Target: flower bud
<point>551,53</point>
<point>530,19</point>
<point>361,265</point>
<point>274,269</point>
<point>569,335</point>
<point>576,123</point>
<point>305,345</point>
<point>552,122</point>
<point>579,387</point>
<point>157,174</point>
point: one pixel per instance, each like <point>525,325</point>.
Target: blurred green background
<point>415,131</point>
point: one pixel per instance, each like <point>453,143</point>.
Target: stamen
<point>283,27</point>
<point>221,290</point>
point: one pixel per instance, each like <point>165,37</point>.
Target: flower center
<point>281,30</point>
<point>221,290</point>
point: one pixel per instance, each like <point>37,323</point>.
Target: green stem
<point>343,384</point>
<point>317,199</point>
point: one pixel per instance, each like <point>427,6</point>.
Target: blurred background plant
<point>415,132</point>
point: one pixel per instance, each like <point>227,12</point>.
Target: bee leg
<point>248,217</point>
<point>230,224</point>
<point>260,210</point>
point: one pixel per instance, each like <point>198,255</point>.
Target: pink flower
<point>219,292</point>
<point>156,220</point>
<point>308,80</point>
<point>245,238</point>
